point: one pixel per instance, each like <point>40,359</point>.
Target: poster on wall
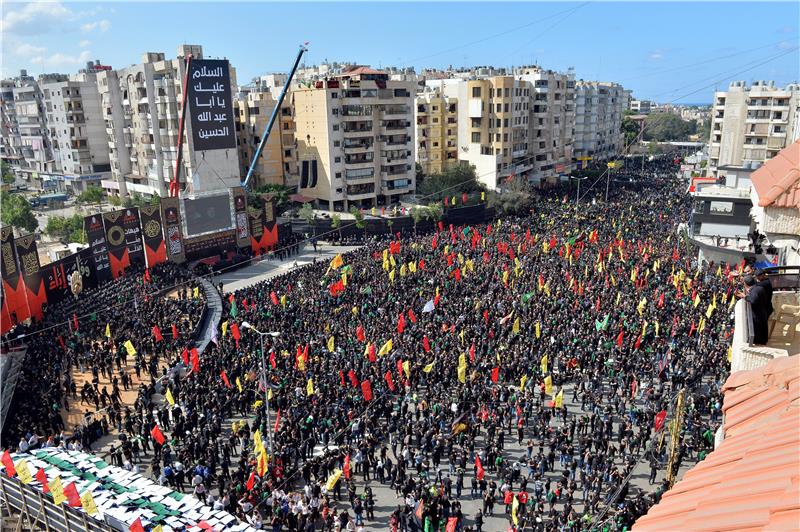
<point>210,105</point>
<point>59,276</point>
<point>118,257</point>
<point>14,305</point>
<point>170,214</point>
<point>240,213</point>
<point>96,237</point>
<point>155,249</point>
<point>133,235</point>
<point>28,259</point>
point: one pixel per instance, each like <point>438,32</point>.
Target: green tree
<point>91,195</point>
<point>359,216</point>
<point>116,201</point>
<point>664,127</point>
<point>630,130</point>
<point>66,229</point>
<point>417,214</point>
<point>457,179</point>
<point>8,174</point>
<point>307,213</point>
<point>418,172</point>
<point>17,212</point>
<point>280,195</point>
<point>434,211</point>
<point>155,199</point>
<point>336,223</point>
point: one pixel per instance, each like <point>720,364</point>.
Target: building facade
<point>750,125</point>
<point>436,118</point>
<point>354,137</point>
<point>599,107</point>
<point>253,109</point>
<point>142,113</point>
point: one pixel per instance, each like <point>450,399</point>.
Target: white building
<point>641,107</point>
<point>750,125</point>
<point>599,107</point>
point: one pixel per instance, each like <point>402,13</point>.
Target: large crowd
<point>530,363</point>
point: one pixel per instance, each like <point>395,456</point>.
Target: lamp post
<point>246,325</point>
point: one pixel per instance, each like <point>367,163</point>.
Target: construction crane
<point>275,111</point>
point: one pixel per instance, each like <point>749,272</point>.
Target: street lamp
<point>246,325</point>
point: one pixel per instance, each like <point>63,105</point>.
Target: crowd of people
<point>530,363</point>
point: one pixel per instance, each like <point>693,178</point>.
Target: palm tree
<point>417,215</point>
<point>336,223</point>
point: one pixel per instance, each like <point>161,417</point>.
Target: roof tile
<point>777,182</point>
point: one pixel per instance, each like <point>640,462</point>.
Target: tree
<point>116,201</point>
<point>336,223</point>
<point>307,213</point>
<point>434,211</point>
<point>8,175</point>
<point>91,195</point>
<point>359,216</point>
<point>663,127</point>
<point>280,194</point>
<point>459,178</point>
<point>417,214</point>
<point>17,212</point>
<point>630,130</point>
<point>418,172</point>
<point>66,229</point>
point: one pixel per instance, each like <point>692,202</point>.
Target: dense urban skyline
<point>662,62</point>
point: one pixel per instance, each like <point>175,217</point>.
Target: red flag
<point>472,353</point>
<point>353,379</point>
<point>341,377</point>
<point>8,463</point>
<point>236,333</point>
<point>399,367</point>
<point>401,324</point>
<point>457,274</point>
<point>174,332</point>
<point>136,526</point>
<point>244,304</point>
<point>366,390</point>
<point>495,374</point>
<point>147,278</point>
<point>272,360</point>
<point>421,264</point>
<point>225,379</point>
<point>231,299</point>
<point>251,481</point>
<point>436,300</point>
<point>346,468</point>
<point>452,522</point>
<point>426,345</point>
<point>360,333</point>
<point>435,241</point>
<point>661,301</point>
<point>479,474</point>
<point>412,316</point>
<point>185,357</point>
<point>41,477</point>
<point>389,382</point>
<point>660,417</point>
<point>620,337</point>
<point>75,321</point>
<point>371,353</point>
<point>441,226</point>
<point>157,333</point>
<point>195,358</point>
<point>638,342</point>
<point>486,317</point>
<point>61,341</point>
<point>277,421</point>
<point>274,298</point>
<point>71,492</point>
<point>157,435</point>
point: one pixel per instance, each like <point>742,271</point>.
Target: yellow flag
<point>462,374</point>
<point>505,277</point>
<point>310,387</point>
<point>257,404</point>
<point>331,344</point>
<point>269,394</point>
<point>543,364</point>
<point>23,472</point>
<point>514,509</point>
<point>391,276</point>
<point>392,261</point>
<point>283,300</point>
<point>733,300</point>
<point>385,348</point>
<point>373,211</point>
<point>702,325</point>
<point>196,292</point>
<point>483,196</point>
<point>522,382</point>
<point>108,330</point>
<point>515,328</point>
<point>129,348</point>
<point>158,529</point>
<point>87,501</point>
<point>262,463</point>
<point>618,295</point>
<point>385,255</point>
<point>412,266</point>
<point>656,325</point>
<point>548,385</point>
<point>337,262</point>
<point>57,490</point>
<point>333,479</point>
<point>429,367</point>
<point>224,327</point>
<point>461,335</point>
<point>258,442</point>
<point>730,353</point>
<point>538,330</point>
<point>403,270</point>
<point>239,384</point>
<point>407,369</point>
<point>559,401</point>
<point>170,399</point>
<point>641,306</point>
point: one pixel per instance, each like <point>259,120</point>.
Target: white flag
<point>428,306</point>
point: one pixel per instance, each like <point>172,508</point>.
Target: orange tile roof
<point>777,181</point>
<point>358,70</point>
<point>752,480</point>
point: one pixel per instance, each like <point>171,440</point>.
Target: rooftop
<point>752,480</point>
<point>777,182</point>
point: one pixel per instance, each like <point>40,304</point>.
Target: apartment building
<point>77,131</point>
<point>354,137</point>
<point>36,163</point>
<point>10,142</point>
<point>253,109</point>
<point>641,107</point>
<point>599,107</point>
<point>436,118</point>
<point>142,115</point>
<point>750,125</point>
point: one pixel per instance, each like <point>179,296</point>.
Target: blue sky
<point>662,51</point>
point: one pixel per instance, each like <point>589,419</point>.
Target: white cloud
<point>84,43</point>
<point>786,45</point>
<point>657,55</point>
<point>63,61</point>
<point>28,50</point>
<point>103,25</point>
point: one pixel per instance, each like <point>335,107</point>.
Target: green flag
<point>527,297</point>
<point>234,312</point>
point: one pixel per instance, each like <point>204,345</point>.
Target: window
<point>337,159</point>
<point>721,207</point>
<point>335,112</point>
<point>336,143</point>
<point>476,122</point>
<point>507,92</point>
<point>498,107</point>
<point>476,137</point>
<point>505,107</point>
<point>336,127</point>
<point>334,94</point>
<point>338,175</point>
<point>476,92</point>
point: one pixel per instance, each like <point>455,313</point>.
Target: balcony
<point>396,110</point>
<point>360,180</point>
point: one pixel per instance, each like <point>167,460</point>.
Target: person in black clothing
<point>763,281</point>
<point>760,304</point>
